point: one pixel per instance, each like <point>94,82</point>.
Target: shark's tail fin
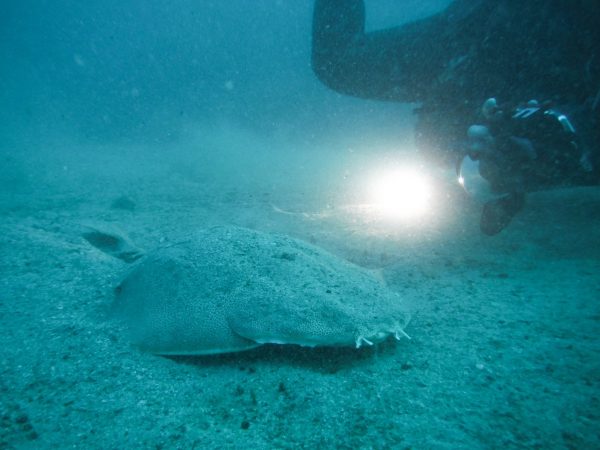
<point>111,242</point>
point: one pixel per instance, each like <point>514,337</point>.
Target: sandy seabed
<point>505,348</point>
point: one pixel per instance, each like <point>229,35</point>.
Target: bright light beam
<point>402,193</point>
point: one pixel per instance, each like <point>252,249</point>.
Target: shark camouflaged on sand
<point>227,289</point>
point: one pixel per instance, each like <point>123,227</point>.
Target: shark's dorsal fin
<point>112,242</point>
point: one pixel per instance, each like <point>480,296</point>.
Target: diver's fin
<point>112,242</point>
<point>497,214</point>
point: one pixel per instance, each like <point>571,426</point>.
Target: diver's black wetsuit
<point>452,61</point>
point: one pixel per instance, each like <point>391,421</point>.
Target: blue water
<point>154,119</point>
<point>114,70</point>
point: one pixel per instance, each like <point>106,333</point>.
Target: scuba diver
<point>508,92</point>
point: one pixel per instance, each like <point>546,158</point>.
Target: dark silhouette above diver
<point>508,92</point>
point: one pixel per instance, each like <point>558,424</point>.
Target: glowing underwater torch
<point>401,193</point>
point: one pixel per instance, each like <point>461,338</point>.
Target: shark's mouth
<point>379,336</point>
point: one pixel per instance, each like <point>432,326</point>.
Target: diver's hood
<point>473,183</point>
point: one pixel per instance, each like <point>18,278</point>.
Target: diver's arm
<point>394,64</point>
<point>375,65</point>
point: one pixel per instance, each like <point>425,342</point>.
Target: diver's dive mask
<point>479,142</point>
